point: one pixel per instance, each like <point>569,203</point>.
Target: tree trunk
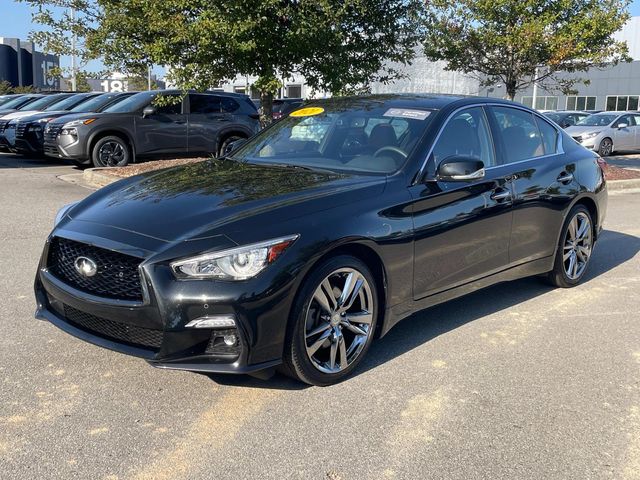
<point>511,89</point>
<point>266,108</point>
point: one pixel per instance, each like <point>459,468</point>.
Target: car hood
<point>69,117</point>
<point>204,199</point>
<point>37,116</point>
<point>577,130</point>
<point>20,114</point>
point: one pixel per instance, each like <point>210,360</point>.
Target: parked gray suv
<point>140,126</point>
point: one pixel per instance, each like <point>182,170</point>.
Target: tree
<point>338,45</point>
<point>5,87</point>
<point>506,41</point>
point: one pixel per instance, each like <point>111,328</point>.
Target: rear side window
<point>466,134</point>
<point>229,105</point>
<point>549,136</point>
<point>204,104</point>
<point>519,134</point>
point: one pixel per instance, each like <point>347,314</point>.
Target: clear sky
<point>15,21</point>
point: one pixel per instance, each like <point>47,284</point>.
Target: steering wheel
<point>391,149</point>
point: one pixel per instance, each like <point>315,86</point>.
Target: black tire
<point>559,276</point>
<point>111,151</point>
<point>606,147</point>
<point>297,362</point>
<point>225,143</point>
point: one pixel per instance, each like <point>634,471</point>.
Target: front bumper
<point>158,317</point>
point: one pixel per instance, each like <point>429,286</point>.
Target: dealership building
<point>22,65</point>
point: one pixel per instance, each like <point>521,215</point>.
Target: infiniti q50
<point>320,233</point>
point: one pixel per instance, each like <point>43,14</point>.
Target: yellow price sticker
<point>307,112</point>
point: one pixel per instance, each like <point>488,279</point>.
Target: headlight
<point>62,212</point>
<point>69,131</point>
<point>585,136</point>
<point>238,263</point>
<point>76,123</point>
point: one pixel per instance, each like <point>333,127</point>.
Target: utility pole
<point>535,89</point>
<point>73,50</point>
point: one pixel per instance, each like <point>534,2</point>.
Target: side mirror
<point>148,111</point>
<point>232,146</point>
<point>622,125</point>
<point>460,169</point>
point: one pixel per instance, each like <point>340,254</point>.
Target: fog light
<point>229,340</point>
<point>213,321</point>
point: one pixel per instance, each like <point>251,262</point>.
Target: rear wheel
<point>111,151</point>
<point>334,320</point>
<point>606,147</point>
<point>225,144</point>
<point>575,248</point>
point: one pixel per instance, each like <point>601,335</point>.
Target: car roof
<point>417,100</point>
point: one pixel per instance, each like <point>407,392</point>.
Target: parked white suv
<point>607,132</point>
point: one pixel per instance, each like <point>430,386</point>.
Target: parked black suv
<point>29,137</point>
<point>140,126</point>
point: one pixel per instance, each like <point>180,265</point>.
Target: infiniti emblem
<point>85,266</point>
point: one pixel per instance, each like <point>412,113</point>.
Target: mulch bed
<point>617,173</point>
<point>143,167</point>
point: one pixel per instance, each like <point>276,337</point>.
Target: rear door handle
<point>500,194</point>
<point>565,178</point>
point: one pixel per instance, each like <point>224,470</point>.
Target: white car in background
<point>607,132</point>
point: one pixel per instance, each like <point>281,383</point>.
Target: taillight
<point>603,166</point>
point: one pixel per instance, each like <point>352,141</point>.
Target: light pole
<point>73,50</point>
<point>535,89</point>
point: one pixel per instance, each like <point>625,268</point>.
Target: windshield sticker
<point>406,113</point>
<point>307,112</point>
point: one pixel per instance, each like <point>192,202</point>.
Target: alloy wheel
<point>338,321</point>
<point>577,246</point>
<point>111,154</point>
<point>606,147</point>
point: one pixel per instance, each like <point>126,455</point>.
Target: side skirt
<point>401,311</point>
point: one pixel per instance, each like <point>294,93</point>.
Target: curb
<point>98,177</point>
<point>623,184</point>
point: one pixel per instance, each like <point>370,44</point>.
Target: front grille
<point>117,275</point>
<point>120,332</point>
<point>51,135</point>
<point>21,129</point>
<point>51,150</point>
<point>3,125</point>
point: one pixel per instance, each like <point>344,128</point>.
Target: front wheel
<point>606,147</point>
<point>575,248</point>
<point>333,322</point>
<point>111,151</point>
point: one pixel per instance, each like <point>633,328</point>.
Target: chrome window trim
<point>559,145</point>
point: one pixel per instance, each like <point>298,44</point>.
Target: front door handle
<point>565,178</point>
<point>501,194</point>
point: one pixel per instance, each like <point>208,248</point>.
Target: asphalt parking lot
<point>516,381</point>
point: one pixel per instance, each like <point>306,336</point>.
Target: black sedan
<point>321,233</point>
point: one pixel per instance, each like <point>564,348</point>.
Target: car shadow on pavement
<point>613,249</point>
<point>17,161</point>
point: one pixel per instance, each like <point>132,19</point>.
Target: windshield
<point>66,103</point>
<point>96,103</point>
<point>597,120</point>
<point>18,102</point>
<point>43,102</point>
<point>362,135</point>
<point>132,103</point>
<point>556,117</point>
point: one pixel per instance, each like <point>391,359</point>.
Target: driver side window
<point>466,134</point>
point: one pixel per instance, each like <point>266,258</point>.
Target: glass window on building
<point>581,103</point>
<point>294,91</point>
<point>542,102</point>
<point>621,103</point>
